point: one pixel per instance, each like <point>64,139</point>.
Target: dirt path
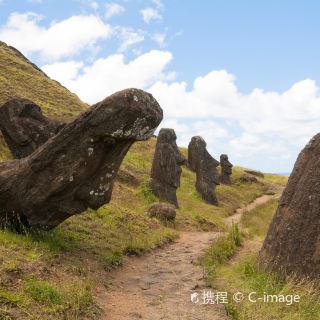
<point>158,285</point>
<point>239,212</point>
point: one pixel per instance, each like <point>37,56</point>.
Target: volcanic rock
<point>75,169</point>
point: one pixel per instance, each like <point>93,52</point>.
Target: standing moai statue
<point>226,169</point>
<point>292,244</point>
<point>205,166</point>
<point>166,171</point>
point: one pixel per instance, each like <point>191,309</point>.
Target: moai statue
<point>24,127</point>
<point>166,171</point>
<point>205,166</point>
<point>292,244</point>
<point>226,169</point>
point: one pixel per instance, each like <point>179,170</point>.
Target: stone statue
<point>24,127</point>
<point>205,166</point>
<point>292,245</point>
<point>226,169</point>
<point>75,169</point>
<point>166,171</point>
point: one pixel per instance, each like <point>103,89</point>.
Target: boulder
<point>162,211</point>
<point>248,178</point>
<point>75,169</point>
<point>205,166</point>
<point>226,169</point>
<point>255,173</point>
<point>166,167</point>
<point>24,127</point>
<point>292,245</point>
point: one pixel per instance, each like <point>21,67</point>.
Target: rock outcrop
<point>166,167</point>
<point>292,245</point>
<point>248,178</point>
<point>24,127</point>
<point>226,169</point>
<point>255,173</point>
<point>162,211</point>
<point>205,166</point>
<point>75,169</point>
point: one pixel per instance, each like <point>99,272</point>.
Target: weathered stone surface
<point>205,166</point>
<point>76,169</point>
<point>248,178</point>
<point>166,171</point>
<point>292,245</point>
<point>255,173</point>
<point>226,169</point>
<point>162,211</point>
<point>24,127</point>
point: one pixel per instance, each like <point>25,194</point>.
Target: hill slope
<point>54,275</point>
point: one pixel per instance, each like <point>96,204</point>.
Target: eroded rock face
<point>162,211</point>
<point>166,171</point>
<point>226,169</point>
<point>292,245</point>
<point>205,166</point>
<point>76,169</point>
<point>24,127</point>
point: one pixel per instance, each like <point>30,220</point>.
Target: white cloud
<point>128,37</point>
<point>63,71</point>
<point>150,14</point>
<point>158,3</point>
<point>160,39</point>
<point>94,5</point>
<point>113,9</point>
<point>105,76</point>
<point>254,128</point>
<point>60,39</point>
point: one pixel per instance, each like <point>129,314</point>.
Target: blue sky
<point>243,74</point>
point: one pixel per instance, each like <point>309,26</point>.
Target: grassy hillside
<point>55,275</point>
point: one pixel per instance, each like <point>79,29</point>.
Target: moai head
<point>24,127</point>
<point>226,169</point>
<point>196,147</point>
<point>205,167</point>
<point>166,165</point>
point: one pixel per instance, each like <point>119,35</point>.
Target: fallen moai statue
<point>75,169</point>
<point>205,166</point>
<point>166,171</point>
<point>24,127</point>
<point>292,245</point>
<point>226,169</point>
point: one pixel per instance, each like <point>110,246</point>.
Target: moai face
<point>226,164</point>
<point>166,167</point>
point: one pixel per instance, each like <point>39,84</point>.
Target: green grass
<point>244,275</point>
<point>256,223</point>
<point>221,250</point>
